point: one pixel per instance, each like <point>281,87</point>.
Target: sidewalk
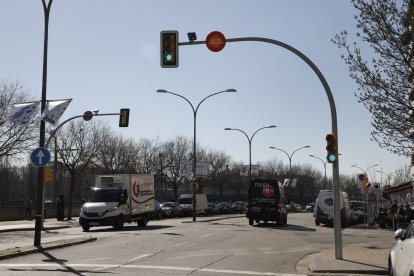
<point>17,237</point>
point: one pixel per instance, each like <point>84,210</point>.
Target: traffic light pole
<point>335,165</point>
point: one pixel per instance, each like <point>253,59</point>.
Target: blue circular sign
<point>40,157</point>
<point>361,177</point>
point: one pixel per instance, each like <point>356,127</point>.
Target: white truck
<point>186,203</point>
<point>117,199</point>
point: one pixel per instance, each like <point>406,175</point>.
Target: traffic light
<point>366,183</point>
<point>169,49</point>
<point>124,117</point>
<point>331,148</point>
<point>47,176</point>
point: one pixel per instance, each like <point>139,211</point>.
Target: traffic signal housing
<point>169,49</point>
<point>124,117</point>
<point>47,175</point>
<point>331,148</point>
<point>366,182</point>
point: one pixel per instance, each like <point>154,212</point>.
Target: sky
<point>105,54</point>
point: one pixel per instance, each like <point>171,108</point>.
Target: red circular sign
<point>215,41</point>
<point>268,191</point>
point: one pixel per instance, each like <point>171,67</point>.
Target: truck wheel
<point>250,221</point>
<point>317,223</point>
<point>119,223</point>
<point>85,227</point>
<point>143,222</point>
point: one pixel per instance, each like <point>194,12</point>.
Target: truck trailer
<point>117,199</point>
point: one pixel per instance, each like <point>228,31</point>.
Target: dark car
<point>212,209</point>
<point>224,208</point>
<point>237,207</point>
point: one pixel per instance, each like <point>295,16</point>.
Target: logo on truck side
<point>268,191</point>
<point>136,192</point>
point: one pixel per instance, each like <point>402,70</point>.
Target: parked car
<point>309,207</point>
<point>357,211</point>
<point>212,209</point>
<point>401,256</point>
<point>156,214</point>
<point>171,209</point>
<point>237,207</point>
<point>224,208</point>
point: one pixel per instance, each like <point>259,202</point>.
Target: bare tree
<point>79,143</point>
<point>384,76</point>
<point>117,154</point>
<point>15,139</point>
<point>174,152</point>
<point>219,170</point>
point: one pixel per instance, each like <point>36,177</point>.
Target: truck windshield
<point>104,195</point>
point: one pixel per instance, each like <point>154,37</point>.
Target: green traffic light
<point>331,158</point>
<point>168,57</point>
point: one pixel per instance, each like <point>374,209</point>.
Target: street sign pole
<point>335,165</point>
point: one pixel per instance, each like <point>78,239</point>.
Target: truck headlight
<point>112,209</point>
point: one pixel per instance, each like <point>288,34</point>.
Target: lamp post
<point>290,162</point>
<point>194,139</point>
<point>290,156</point>
<point>324,163</point>
<point>250,144</point>
<point>365,197</point>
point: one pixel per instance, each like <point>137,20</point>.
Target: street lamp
<point>290,156</point>
<point>250,144</point>
<point>324,163</point>
<point>194,139</point>
<point>365,171</point>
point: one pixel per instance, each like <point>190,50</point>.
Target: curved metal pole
<point>323,162</point>
<point>335,165</point>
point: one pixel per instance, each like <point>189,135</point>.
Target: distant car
<point>357,211</point>
<point>298,208</point>
<point>171,209</point>
<point>212,209</point>
<point>309,207</point>
<point>401,256</point>
<point>237,207</point>
<point>224,208</point>
<point>156,214</point>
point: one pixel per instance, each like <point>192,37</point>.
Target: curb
<point>20,251</point>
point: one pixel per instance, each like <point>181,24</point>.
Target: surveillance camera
<point>96,111</point>
<point>192,36</point>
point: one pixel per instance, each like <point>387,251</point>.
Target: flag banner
<point>54,110</point>
<point>23,112</point>
<point>286,182</point>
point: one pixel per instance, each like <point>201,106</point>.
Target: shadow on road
<point>288,227</point>
<point>129,228</point>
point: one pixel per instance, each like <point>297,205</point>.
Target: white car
<point>401,257</point>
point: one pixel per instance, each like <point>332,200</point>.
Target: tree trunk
<point>72,185</point>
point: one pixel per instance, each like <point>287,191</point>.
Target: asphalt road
<point>171,247</point>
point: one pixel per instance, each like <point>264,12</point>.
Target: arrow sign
<point>40,157</point>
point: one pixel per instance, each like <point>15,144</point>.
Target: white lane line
<point>206,235</point>
<point>180,268</point>
<point>140,257</point>
<point>181,243</point>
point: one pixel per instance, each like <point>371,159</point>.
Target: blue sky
<point>105,54</point>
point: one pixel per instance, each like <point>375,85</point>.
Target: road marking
<point>206,235</point>
<point>140,257</point>
<point>101,266</point>
<point>181,243</point>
